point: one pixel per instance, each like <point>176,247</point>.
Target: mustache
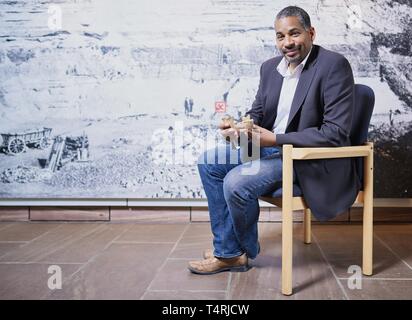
<point>291,49</point>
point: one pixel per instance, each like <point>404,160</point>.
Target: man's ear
<point>312,33</point>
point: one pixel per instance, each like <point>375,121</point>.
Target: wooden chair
<point>364,102</point>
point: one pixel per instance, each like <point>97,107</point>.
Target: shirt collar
<point>283,65</point>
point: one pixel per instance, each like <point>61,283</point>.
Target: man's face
<point>293,40</point>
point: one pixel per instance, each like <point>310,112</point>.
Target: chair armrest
<point>332,152</point>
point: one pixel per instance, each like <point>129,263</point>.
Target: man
<point>191,103</point>
<point>305,98</point>
<point>186,105</point>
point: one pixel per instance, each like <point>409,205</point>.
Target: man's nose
<point>289,42</point>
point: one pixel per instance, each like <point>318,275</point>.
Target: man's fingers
<point>223,125</point>
<point>224,132</point>
<point>229,132</point>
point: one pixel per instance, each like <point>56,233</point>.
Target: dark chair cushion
<point>278,192</point>
<point>362,113</point>
<point>364,101</point>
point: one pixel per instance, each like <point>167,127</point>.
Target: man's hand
<point>230,132</point>
<point>224,123</point>
<point>266,138</point>
<point>233,131</point>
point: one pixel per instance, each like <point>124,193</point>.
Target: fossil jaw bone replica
<point>245,124</point>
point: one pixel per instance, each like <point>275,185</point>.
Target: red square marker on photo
<point>220,106</point>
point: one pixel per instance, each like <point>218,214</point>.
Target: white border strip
<point>63,202</point>
<point>380,202</point>
<point>110,202</point>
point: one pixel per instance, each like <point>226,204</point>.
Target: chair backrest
<point>364,101</point>
<point>362,113</point>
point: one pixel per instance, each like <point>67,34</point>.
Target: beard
<point>297,58</point>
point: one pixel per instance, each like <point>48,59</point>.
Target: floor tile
<point>49,242</point>
<point>174,275</point>
<point>4,225</point>
<point>312,279</point>
<point>184,295</point>
<point>122,271</point>
<point>398,238</point>
<point>199,229</point>
<point>194,241</point>
<point>381,290</point>
<point>24,231</point>
<point>342,246</point>
<point>154,232</point>
<point>149,261</point>
<point>199,215</point>
<point>29,281</point>
<point>6,247</point>
<point>87,245</point>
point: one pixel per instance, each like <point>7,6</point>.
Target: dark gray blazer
<point>320,116</point>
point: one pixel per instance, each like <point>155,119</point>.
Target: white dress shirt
<point>290,82</point>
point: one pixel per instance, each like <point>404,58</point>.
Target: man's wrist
<point>273,140</point>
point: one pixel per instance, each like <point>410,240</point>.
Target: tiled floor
<point>148,261</point>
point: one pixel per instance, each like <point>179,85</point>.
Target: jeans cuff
<point>228,256</point>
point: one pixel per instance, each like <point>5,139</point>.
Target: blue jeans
<point>232,196</point>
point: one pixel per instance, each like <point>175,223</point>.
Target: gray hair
<point>293,11</point>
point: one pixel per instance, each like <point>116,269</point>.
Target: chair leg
<point>287,219</point>
<point>287,251</point>
<point>307,216</point>
<point>367,258</point>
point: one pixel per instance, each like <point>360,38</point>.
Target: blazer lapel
<point>302,89</point>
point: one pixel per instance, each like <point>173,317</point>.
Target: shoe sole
<point>231,269</point>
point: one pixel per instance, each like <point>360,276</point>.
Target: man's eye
<point>295,34</point>
<point>279,37</point>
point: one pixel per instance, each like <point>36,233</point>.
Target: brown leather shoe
<point>208,254</point>
<point>216,265</point>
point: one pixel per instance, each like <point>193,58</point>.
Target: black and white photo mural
<point>105,98</point>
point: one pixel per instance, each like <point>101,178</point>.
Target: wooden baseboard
<point>383,214</point>
<point>149,214</point>
<point>14,213</point>
<point>69,214</point>
<point>178,214</point>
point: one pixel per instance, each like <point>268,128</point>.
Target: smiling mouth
<point>291,53</point>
